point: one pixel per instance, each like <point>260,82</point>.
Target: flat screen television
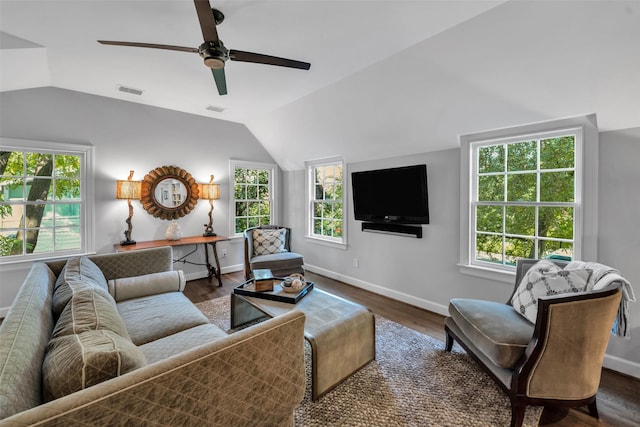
<point>395,196</point>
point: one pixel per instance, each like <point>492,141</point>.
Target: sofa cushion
<point>75,362</point>
<point>150,318</point>
<point>485,324</point>
<point>171,345</point>
<point>546,278</point>
<point>89,309</point>
<point>269,241</point>
<point>78,273</point>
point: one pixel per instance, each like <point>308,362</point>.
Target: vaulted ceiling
<point>387,77</point>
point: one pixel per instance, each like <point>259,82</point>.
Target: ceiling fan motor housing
<point>214,54</point>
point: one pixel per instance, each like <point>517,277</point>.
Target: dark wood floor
<point>618,396</point>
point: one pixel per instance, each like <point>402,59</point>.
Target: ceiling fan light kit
<point>213,51</point>
<point>214,54</point>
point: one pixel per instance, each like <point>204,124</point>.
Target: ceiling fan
<point>213,51</point>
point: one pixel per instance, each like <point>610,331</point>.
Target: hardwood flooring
<point>618,396</point>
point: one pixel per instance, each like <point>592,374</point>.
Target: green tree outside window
<point>524,200</point>
<point>39,203</point>
<point>252,194</point>
<point>327,203</point>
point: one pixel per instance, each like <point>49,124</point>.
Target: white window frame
<point>586,197</point>
<point>273,190</point>
<point>87,216</point>
<point>336,242</point>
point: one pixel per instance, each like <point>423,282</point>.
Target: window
<point>326,200</point>
<point>44,200</point>
<point>526,195</point>
<point>253,195</point>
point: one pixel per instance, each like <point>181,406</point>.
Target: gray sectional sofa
<point>112,340</point>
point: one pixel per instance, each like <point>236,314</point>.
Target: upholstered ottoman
<point>341,333</point>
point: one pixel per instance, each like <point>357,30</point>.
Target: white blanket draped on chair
<point>603,276</point>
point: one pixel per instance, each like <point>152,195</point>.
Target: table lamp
<point>209,192</point>
<point>128,190</point>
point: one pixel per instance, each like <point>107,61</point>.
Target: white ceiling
<point>387,77</point>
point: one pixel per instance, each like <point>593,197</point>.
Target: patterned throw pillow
<point>269,241</point>
<point>546,278</point>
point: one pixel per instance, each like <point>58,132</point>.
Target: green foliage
<point>491,188</point>
<point>327,207</point>
<point>491,159</point>
<point>521,187</point>
<point>10,245</point>
<point>524,220</point>
<point>557,153</point>
<point>251,192</point>
<point>39,177</point>
<point>522,156</point>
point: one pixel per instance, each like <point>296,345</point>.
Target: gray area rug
<point>412,382</point>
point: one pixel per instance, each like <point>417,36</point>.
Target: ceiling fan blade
<point>258,58</point>
<point>150,45</point>
<point>207,22</point>
<point>221,80</point>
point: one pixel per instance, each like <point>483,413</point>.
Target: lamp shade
<point>209,191</point>
<point>128,189</point>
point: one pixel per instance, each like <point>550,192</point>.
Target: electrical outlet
<point>356,262</point>
<point>224,253</point>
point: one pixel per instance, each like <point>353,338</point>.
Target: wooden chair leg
<point>593,409</point>
<point>517,413</point>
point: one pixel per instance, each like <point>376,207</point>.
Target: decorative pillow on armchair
<point>546,278</point>
<point>269,241</point>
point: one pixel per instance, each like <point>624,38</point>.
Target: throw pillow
<point>543,279</point>
<point>269,241</point>
<point>78,273</point>
<point>75,362</point>
<point>89,310</point>
<point>141,286</point>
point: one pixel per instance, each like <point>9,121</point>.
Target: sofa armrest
<point>148,284</point>
<point>254,376</point>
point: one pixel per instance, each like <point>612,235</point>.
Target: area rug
<point>412,382</point>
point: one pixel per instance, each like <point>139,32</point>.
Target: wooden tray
<point>248,289</point>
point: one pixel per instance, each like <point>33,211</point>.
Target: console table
<point>194,240</point>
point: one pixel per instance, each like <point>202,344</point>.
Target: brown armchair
<point>281,261</point>
<point>556,361</point>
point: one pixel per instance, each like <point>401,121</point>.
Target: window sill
<point>323,242</point>
<point>488,273</point>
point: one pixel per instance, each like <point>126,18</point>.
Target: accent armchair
<point>555,361</point>
<point>269,247</point>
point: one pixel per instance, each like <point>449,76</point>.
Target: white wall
<point>131,136</point>
<point>619,230</point>
<point>423,272</point>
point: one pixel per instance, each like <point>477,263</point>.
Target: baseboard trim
<point>613,363</point>
<point>381,290</point>
<point>203,273</point>
<point>621,365</point>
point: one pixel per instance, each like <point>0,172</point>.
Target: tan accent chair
<point>556,362</point>
<point>281,264</point>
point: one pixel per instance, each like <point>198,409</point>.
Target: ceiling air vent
<point>129,90</point>
<point>216,109</point>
